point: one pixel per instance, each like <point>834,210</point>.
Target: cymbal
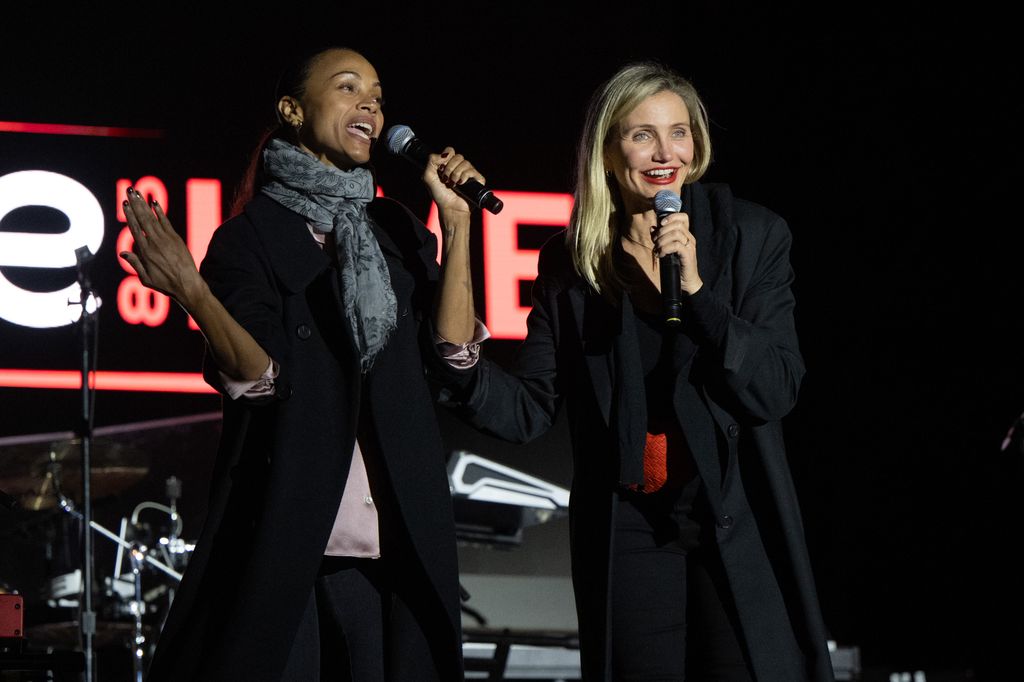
<point>33,472</point>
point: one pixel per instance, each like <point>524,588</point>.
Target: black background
<point>888,140</point>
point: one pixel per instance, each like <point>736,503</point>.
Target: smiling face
<point>651,150</point>
<point>339,111</point>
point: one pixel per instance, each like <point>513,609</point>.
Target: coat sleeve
<point>517,405</point>
<point>751,356</point>
<point>241,278</point>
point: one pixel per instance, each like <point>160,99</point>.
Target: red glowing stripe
<point>88,131</point>
<point>159,382</point>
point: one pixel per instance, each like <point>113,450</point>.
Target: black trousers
<point>672,617</point>
<point>363,623</point>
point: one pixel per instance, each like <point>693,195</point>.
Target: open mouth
<point>362,129</point>
<point>660,175</point>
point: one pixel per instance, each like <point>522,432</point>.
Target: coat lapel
<point>294,255</point>
<point>713,228</point>
<point>715,236</point>
<point>612,355</point>
<point>298,260</point>
<point>597,323</point>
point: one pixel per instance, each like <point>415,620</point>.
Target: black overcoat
<point>283,462</point>
<point>741,378</point>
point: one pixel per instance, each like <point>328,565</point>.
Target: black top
<point>662,364</point>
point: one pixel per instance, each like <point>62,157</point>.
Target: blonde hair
<point>592,231</point>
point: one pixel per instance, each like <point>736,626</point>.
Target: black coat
<point>283,462</point>
<point>741,378</point>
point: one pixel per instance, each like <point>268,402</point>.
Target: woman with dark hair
<point>688,554</point>
<point>329,549</point>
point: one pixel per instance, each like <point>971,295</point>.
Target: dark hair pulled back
<point>291,82</point>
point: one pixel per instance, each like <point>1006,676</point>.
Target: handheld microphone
<point>667,202</point>
<point>403,142</point>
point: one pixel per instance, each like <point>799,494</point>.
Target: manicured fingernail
<point>123,254</point>
<point>125,203</point>
<point>444,155</point>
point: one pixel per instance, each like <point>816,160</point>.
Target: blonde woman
<point>688,554</point>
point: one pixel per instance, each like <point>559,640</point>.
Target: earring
<point>297,125</point>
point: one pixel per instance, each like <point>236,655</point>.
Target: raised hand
<point>160,258</point>
<point>454,317</point>
<point>164,263</point>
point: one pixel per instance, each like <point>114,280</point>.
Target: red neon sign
<point>166,382</point>
<point>89,131</point>
<point>505,265</point>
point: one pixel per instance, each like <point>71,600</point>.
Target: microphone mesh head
<point>398,137</point>
<point>667,201</point>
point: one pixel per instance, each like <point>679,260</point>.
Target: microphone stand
<point>89,326</point>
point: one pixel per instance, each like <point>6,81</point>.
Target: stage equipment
<point>510,655</point>
<point>151,550</point>
<point>493,503</point>
<point>12,617</point>
<point>845,661</point>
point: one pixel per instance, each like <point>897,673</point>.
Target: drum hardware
<point>40,473</point>
<point>31,480</point>
<point>173,550</point>
<point>138,608</point>
<point>126,597</point>
<point>63,586</point>
<point>140,555</point>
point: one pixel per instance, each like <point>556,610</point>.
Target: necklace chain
<point>649,248</point>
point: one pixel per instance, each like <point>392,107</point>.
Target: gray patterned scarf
<point>334,201</point>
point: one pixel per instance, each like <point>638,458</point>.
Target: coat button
<point>733,430</point>
<point>303,331</point>
<point>724,522</point>
<point>284,392</point>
